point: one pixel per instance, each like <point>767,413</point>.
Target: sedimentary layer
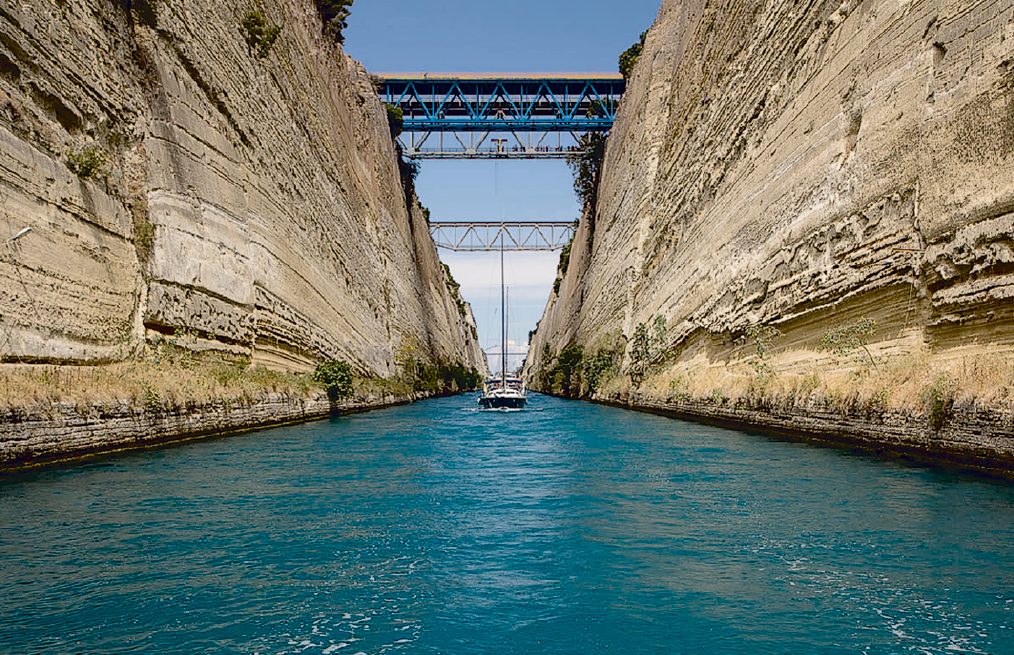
<point>252,203</point>
<point>974,438</point>
<point>65,432</point>
<point>801,165</point>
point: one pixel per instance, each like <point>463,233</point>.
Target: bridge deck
<point>489,235</point>
<point>616,77</point>
<point>476,102</point>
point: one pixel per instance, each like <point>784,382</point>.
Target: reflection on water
<point>559,528</point>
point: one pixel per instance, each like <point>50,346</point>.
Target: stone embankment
<point>784,169</point>
<point>974,438</point>
<point>63,432</point>
<point>161,177</point>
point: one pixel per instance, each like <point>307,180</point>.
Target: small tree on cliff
<point>586,164</point>
<point>258,34</point>
<point>395,119</point>
<point>629,57</point>
<point>333,14</point>
<point>336,378</point>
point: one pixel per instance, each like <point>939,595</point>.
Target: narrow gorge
<point>805,222</point>
<point>193,218</point>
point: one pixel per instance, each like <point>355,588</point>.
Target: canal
<point>564,528</point>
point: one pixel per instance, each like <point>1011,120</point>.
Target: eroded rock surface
<point>254,203</point>
<point>799,165</point>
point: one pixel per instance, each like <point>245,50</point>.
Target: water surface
<point>564,528</point>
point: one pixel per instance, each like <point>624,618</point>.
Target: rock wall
<point>65,432</point>
<point>802,164</point>
<point>975,439</point>
<point>254,203</point>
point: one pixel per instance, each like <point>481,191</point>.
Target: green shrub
<point>336,378</point>
<point>333,14</point>
<point>87,162</point>
<point>845,338</point>
<point>144,236</point>
<point>564,373</point>
<point>640,353</point>
<point>408,171</point>
<point>679,390</point>
<point>648,347</point>
<point>455,290</point>
<point>938,400</point>
<point>762,336</point>
<point>763,371</point>
<point>565,258</point>
<point>598,368</point>
<point>395,119</point>
<point>258,34</point>
<point>456,377</point>
<point>586,165</point>
<point>629,57</point>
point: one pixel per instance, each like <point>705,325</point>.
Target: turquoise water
<point>563,528</point>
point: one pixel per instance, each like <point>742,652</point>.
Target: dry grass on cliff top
<point>145,383</point>
<point>911,383</point>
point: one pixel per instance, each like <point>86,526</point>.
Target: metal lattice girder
<point>484,145</point>
<point>486,235</point>
<point>486,153</point>
<point>503,102</point>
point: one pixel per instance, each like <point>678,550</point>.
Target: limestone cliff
<point>254,203</point>
<point>800,165</point>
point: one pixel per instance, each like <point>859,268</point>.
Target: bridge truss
<point>502,104</point>
<point>487,235</point>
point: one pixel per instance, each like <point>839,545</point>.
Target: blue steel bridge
<point>500,116</point>
<point>509,235</point>
<point>460,115</point>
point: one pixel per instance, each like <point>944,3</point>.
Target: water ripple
<point>565,528</point>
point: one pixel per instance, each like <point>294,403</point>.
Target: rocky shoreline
<point>66,433</point>
<point>974,438</point>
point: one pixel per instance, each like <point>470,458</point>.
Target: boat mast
<point>503,314</point>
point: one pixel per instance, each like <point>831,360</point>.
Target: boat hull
<point>502,402</point>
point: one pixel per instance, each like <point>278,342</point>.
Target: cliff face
<point>253,202</point>
<point>799,165</point>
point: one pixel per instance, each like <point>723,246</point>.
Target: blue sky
<point>476,36</point>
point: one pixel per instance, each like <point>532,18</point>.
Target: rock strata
<point>254,204</point>
<point>63,432</point>
<point>799,166</point>
<point>975,438</point>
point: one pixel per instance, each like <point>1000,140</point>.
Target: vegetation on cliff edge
<point>170,375</point>
<point>333,14</point>
<point>629,57</point>
<point>851,380</point>
<point>87,162</point>
<point>586,165</point>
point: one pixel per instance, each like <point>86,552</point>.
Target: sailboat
<point>503,392</point>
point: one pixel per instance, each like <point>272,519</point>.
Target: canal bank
<point>974,438</point>
<point>67,434</point>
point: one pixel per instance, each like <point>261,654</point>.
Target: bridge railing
<point>504,103</point>
<point>514,152</point>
